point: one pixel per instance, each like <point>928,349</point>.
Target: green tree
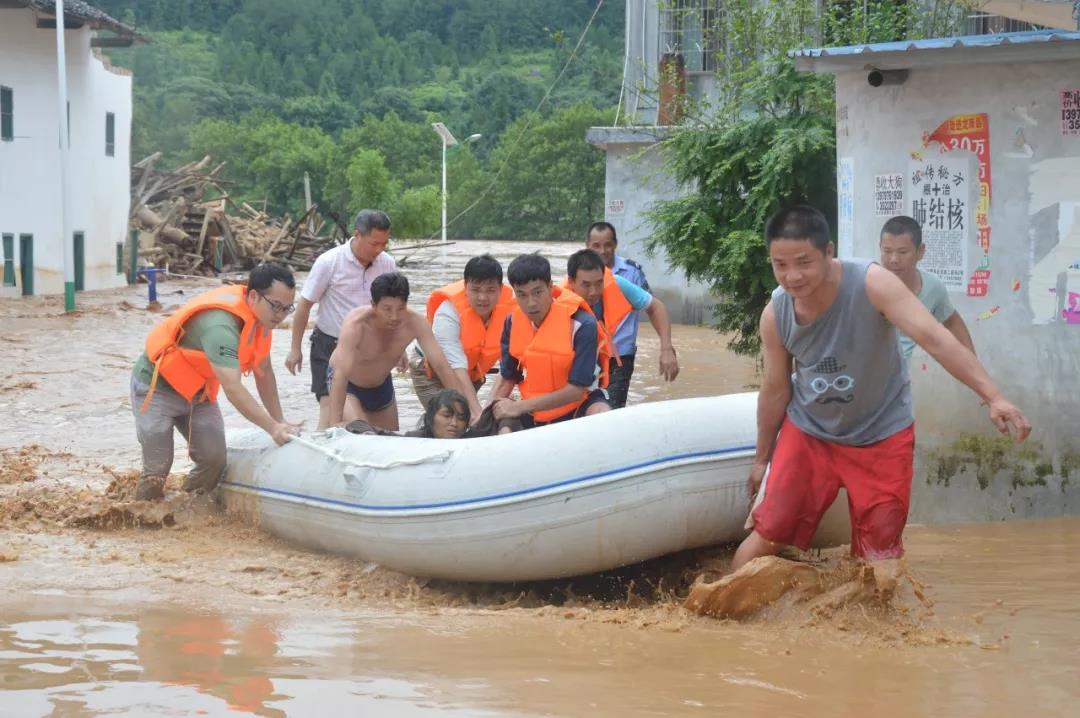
<point>550,182</point>
<point>416,214</point>
<point>369,183</point>
<point>267,158</point>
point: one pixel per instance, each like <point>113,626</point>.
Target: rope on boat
<point>307,443</point>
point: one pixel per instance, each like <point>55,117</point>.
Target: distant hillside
<point>346,90</point>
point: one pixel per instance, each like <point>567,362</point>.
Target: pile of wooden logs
<point>187,222</point>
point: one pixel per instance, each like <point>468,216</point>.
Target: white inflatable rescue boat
<point>573,498</point>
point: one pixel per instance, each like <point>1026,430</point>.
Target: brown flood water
<point>203,616</point>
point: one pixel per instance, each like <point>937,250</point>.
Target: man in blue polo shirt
<point>616,302</point>
<point>602,239</point>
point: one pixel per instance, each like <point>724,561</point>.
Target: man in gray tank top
<point>835,405</point>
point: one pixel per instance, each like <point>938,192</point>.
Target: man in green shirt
<point>901,248</point>
<point>205,345</point>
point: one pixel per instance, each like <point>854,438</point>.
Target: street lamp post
<point>448,141</point>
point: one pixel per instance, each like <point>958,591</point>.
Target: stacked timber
<point>187,222</point>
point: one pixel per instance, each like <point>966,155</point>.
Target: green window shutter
<point>110,134</point>
<point>9,260</point>
<point>119,257</point>
<point>7,114</point>
<point>79,240</point>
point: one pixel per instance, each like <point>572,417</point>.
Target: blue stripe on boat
<point>493,497</point>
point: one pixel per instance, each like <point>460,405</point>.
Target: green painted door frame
<point>26,263</point>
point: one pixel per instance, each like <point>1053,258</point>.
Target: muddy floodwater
<point>178,610</point>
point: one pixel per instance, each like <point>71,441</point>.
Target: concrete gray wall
<point>1021,327</point>
<point>635,178</point>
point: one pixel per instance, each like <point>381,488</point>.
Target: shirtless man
<point>370,346</point>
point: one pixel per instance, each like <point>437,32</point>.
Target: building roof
<point>86,13</point>
<point>1034,46</point>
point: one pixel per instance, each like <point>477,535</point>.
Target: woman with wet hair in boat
<point>446,417</point>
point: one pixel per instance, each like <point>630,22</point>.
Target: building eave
<point>602,137</point>
<point>78,13</point>
<point>1014,47</point>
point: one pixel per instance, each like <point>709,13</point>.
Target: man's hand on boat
<point>753,483</point>
<point>283,431</point>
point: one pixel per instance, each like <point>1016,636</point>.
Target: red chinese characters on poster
<point>972,133</point>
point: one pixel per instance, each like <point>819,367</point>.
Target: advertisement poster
<point>972,133</point>
<point>888,195</point>
<point>1070,113</point>
<point>940,203</point>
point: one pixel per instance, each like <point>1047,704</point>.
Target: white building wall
<point>30,164</point>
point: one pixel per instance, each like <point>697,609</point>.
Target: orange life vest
<point>616,310</point>
<point>188,371</point>
<point>480,342</point>
<point>546,354</point>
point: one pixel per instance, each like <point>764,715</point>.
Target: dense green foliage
<point>347,91</point>
<point>770,142</point>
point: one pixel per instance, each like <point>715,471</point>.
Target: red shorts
<point>806,473</point>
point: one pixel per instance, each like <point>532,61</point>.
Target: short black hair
<point>265,274</point>
<point>483,268</point>
<point>451,398</point>
<point>583,259</point>
<point>902,224</point>
<point>602,227</point>
<point>799,221</point>
<point>527,268</point>
<point>391,284</point>
<point>369,219</point>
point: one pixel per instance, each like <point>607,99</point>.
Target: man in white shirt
<point>339,282</point>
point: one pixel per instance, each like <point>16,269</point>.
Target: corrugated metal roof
<point>905,52</point>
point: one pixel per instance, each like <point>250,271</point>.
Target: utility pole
<point>307,201</point>
<point>67,239</point>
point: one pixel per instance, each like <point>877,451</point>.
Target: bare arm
<point>465,386</point>
<point>341,362</point>
<point>461,381</point>
<point>295,359</point>
<point>773,398</point>
<point>266,385</point>
<point>552,399</point>
<point>890,297</point>
<point>956,325</point>
<point>502,389</point>
<point>248,407</point>
<point>450,378</point>
<point>661,321</point>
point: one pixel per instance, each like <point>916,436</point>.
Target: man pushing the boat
<point>834,408</point>
<point>550,351</point>
<point>370,346</point>
<point>206,345</point>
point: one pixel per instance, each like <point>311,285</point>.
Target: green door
<point>9,260</point>
<point>80,262</point>
<point>26,263</point>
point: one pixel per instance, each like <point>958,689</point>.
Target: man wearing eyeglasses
<point>207,345</point>
<point>339,282</point>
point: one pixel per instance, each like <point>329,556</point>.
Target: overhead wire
<point>529,119</point>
